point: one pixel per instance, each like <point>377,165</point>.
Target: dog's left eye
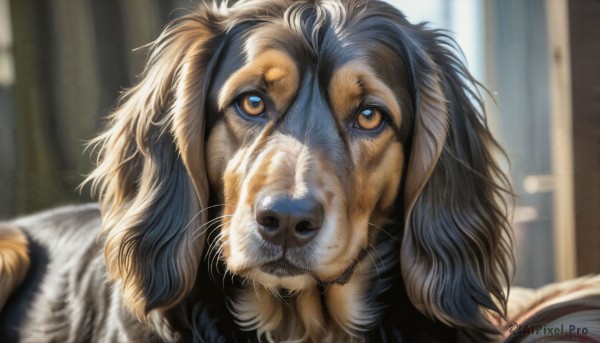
<point>252,105</point>
<point>369,118</point>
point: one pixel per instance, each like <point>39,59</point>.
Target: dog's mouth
<point>281,268</point>
<point>284,268</point>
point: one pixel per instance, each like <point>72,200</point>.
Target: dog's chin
<point>281,268</point>
<point>273,276</point>
<point>280,275</point>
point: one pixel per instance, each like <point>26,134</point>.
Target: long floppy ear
<point>456,249</point>
<point>151,175</point>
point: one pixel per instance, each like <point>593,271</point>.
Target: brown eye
<point>369,119</point>
<point>252,105</point>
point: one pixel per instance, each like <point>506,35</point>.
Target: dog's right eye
<point>369,119</point>
<point>252,105</point>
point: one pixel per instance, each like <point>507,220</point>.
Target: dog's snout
<point>287,221</point>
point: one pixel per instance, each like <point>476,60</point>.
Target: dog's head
<point>311,125</point>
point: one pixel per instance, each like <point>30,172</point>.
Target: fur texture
<point>367,128</point>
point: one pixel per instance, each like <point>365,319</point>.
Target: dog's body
<point>66,295</point>
<point>283,171</point>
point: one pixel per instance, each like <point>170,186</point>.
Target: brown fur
<point>153,168</point>
<point>14,260</point>
<point>414,242</point>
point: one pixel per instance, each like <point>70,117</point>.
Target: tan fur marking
<point>219,149</point>
<point>308,305</point>
<point>352,82</point>
<point>345,91</point>
<point>380,183</point>
<point>274,69</point>
<point>258,179</point>
<point>275,74</point>
<point>14,260</point>
<point>346,306</point>
<point>259,311</point>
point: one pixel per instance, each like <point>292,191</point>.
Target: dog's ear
<point>456,247</point>
<point>151,175</point>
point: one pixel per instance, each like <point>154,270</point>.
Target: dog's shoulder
<point>64,214</point>
<point>61,225</point>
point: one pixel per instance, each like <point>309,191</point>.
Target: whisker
<point>213,254</point>
<point>255,287</point>
<point>387,233</point>
<point>213,242</point>
<point>218,241</point>
<point>200,212</point>
<point>218,253</point>
<point>374,263</point>
<point>232,276</point>
<point>209,224</point>
<point>213,220</point>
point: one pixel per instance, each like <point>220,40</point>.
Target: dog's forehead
<point>325,34</point>
<point>321,59</point>
<point>323,51</point>
<point>320,45</point>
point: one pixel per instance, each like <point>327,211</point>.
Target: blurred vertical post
<point>7,123</point>
<point>562,147</point>
<point>584,65</point>
<point>38,143</point>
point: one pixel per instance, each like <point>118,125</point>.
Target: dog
<point>298,171</point>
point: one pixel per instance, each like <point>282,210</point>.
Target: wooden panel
<point>562,147</point>
<point>584,22</point>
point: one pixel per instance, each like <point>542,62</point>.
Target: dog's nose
<point>287,221</point>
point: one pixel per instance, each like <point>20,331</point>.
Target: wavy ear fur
<point>151,176</point>
<point>456,249</point>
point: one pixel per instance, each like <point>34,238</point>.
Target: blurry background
<point>63,63</point>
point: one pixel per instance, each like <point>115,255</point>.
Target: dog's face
<point>307,153</point>
<point>305,127</point>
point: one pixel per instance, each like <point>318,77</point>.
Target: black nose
<point>284,220</point>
